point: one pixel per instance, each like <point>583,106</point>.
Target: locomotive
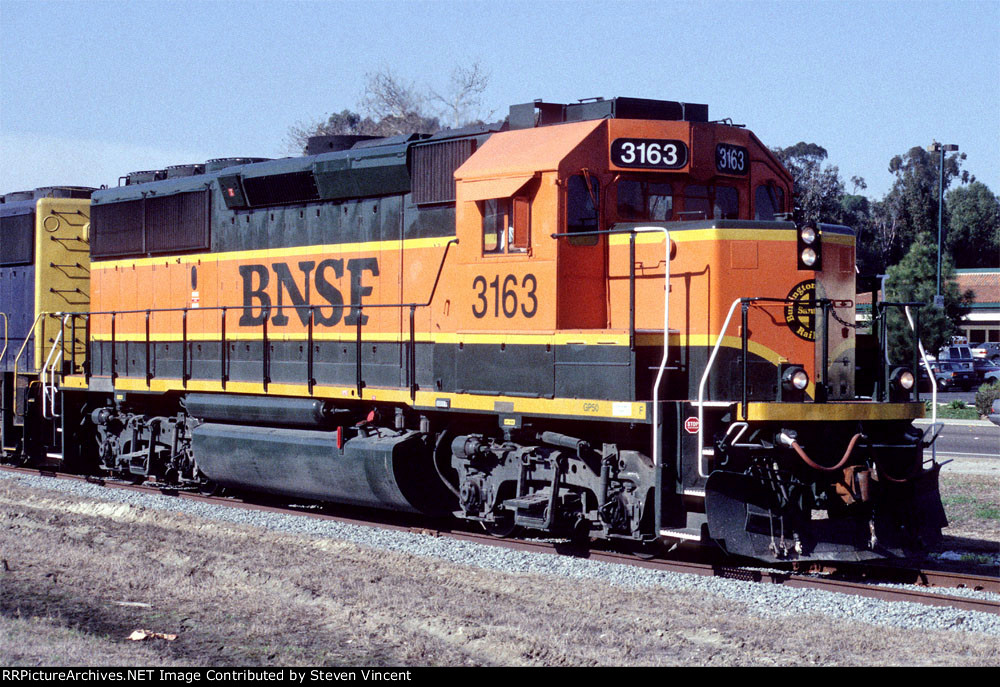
<point>592,320</point>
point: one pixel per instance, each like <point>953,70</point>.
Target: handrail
<point>930,375</point>
<point>4,351</point>
<point>17,358</point>
<point>701,386</point>
<point>49,369</point>
<point>187,364</point>
<point>825,303</point>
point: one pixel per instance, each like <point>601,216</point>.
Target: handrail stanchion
<point>412,354</point>
<point>265,350</point>
<point>310,377</point>
<point>357,349</point>
<point>149,375</point>
<point>184,348</point>
<point>113,352</point>
<point>223,352</point>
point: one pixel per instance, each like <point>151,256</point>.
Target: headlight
<point>901,383</point>
<point>905,380</point>
<point>809,242</point>
<point>795,378</point>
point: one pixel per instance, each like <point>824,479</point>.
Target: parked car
<point>986,371</point>
<point>961,352</point>
<point>995,412</point>
<point>989,351</point>
<point>949,375</point>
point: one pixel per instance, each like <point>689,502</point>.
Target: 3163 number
<point>730,159</point>
<point>649,153</point>
<point>507,296</point>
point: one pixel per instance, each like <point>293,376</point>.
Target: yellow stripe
<point>576,407</point>
<point>335,248</point>
<point>682,236</point>
<point>555,339</point>
<point>711,234</point>
<point>843,239</point>
<point>833,412</point>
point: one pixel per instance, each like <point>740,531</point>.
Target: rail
<point>355,310</point>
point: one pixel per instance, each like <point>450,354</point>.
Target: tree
<point>973,226</point>
<point>913,279</point>
<point>391,106</point>
<point>462,102</point>
<point>911,206</point>
<point>818,190</point>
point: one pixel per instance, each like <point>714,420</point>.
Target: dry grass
<point>241,596</point>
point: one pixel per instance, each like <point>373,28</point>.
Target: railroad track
<point>924,586</point>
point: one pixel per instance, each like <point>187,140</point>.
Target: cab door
<point>582,259</point>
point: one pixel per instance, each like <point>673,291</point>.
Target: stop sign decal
<point>691,425</point>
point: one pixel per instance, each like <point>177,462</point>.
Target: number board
<point>730,159</point>
<point>649,153</point>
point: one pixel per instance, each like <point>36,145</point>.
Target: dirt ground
<point>77,577</point>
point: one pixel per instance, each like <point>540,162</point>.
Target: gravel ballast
<point>764,599</point>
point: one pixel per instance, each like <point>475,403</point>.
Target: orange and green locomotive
<point>592,320</point>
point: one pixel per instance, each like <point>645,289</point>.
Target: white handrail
<point>657,458</point>
<point>701,387</point>
<point>49,370</point>
<point>930,374</point>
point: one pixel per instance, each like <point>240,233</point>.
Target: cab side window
<point>583,195</point>
<point>506,225</point>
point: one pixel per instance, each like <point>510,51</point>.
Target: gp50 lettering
<point>507,296</point>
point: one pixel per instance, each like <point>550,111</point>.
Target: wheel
<point>502,527</point>
<point>647,550</point>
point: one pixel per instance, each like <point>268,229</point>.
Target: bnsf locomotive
<point>592,320</point>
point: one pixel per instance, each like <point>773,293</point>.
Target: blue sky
<point>91,90</point>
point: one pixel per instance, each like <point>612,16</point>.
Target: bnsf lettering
<point>258,303</point>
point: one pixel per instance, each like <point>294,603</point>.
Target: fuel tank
<point>378,468</point>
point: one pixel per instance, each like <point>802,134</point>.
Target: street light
<point>936,147</point>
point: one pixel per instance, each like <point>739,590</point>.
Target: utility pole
<point>936,147</point>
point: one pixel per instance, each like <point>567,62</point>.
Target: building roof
<point>985,283</point>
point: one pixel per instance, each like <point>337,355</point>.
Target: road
<point>979,440</point>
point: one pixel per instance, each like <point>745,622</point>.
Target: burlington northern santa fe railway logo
<point>800,313</point>
<point>258,303</point>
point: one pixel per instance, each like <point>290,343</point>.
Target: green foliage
<point>818,190</point>
<point>910,209</point>
<point>974,226</point>
<point>957,404</point>
<point>914,279</point>
<point>985,396</point>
